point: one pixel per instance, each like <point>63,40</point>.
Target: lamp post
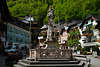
<point>30,38</point>
<point>30,29</point>
<point>29,19</point>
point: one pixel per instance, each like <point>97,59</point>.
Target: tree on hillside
<point>35,8</point>
<point>75,9</point>
<point>64,9</point>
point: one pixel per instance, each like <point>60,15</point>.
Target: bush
<point>79,48</point>
<point>84,53</point>
<point>57,44</point>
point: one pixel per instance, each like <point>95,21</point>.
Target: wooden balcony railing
<point>87,34</point>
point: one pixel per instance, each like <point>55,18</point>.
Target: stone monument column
<point>49,33</point>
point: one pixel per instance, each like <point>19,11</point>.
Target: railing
<point>51,53</point>
<point>87,34</point>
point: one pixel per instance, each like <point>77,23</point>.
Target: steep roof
<point>20,24</point>
<point>5,14</point>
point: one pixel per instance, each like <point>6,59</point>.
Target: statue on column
<point>50,23</point>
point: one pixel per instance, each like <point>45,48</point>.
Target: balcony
<point>87,34</point>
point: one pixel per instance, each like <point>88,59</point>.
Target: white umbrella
<point>30,19</point>
<point>25,21</point>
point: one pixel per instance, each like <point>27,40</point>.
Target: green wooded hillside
<point>75,9</point>
<point>36,8</point>
<point>63,9</point>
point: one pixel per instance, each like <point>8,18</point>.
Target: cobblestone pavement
<point>94,61</point>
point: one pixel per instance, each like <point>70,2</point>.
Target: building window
<point>11,29</point>
<point>16,39</point>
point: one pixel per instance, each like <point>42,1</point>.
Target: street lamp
<point>30,29</point>
<point>29,19</point>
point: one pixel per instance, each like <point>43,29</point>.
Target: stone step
<point>55,62</point>
<point>34,64</point>
<point>53,59</point>
<point>30,58</point>
<point>29,62</point>
<point>50,61</point>
<point>57,65</point>
<point>23,64</point>
<point>24,60</point>
<point>74,59</point>
<point>16,65</point>
<point>47,59</point>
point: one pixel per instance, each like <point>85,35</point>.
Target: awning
<point>91,44</point>
<point>41,37</point>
